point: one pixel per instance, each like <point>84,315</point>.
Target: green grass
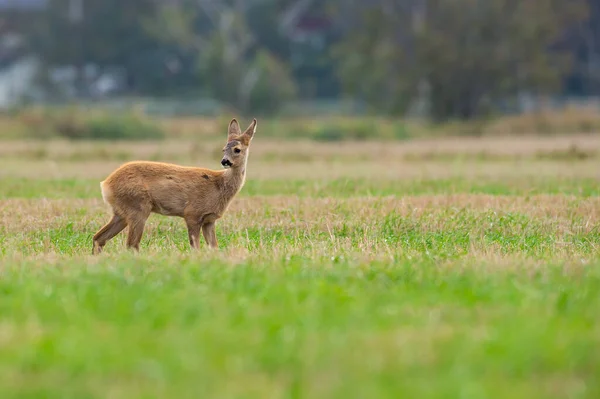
<point>395,232</point>
<point>320,188</point>
<point>482,285</point>
<point>387,300</point>
<point>179,327</point>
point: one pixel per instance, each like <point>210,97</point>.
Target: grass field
<point>425,269</point>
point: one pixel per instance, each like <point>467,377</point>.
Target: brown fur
<point>200,196</point>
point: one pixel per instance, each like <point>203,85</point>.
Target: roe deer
<point>200,196</point>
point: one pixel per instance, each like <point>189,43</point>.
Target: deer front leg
<point>136,225</point>
<point>208,230</point>
<point>193,226</point>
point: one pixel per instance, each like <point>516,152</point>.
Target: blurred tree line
<point>457,58</point>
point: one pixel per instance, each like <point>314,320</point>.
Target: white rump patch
<point>105,192</point>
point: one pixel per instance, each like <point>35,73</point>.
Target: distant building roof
<point>23,4</point>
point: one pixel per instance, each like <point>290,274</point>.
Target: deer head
<point>235,152</point>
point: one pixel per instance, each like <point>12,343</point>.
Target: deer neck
<point>234,179</point>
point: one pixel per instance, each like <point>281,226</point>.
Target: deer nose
<point>225,162</point>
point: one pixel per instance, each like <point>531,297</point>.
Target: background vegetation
<point>444,60</point>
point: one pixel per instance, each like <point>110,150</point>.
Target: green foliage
<point>373,66</point>
<point>463,56</point>
<point>274,85</point>
<point>110,33</point>
<point>329,133</point>
<point>361,130</point>
<point>120,127</point>
<point>259,84</point>
<point>338,129</point>
<point>78,125</point>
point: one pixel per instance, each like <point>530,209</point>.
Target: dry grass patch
<point>362,229</point>
<point>277,150</point>
<point>322,170</point>
<point>288,212</point>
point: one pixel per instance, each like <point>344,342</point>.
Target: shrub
<point>274,86</point>
<point>401,131</point>
<point>77,125</point>
<point>567,120</point>
<point>328,132</point>
<point>356,130</point>
<point>123,127</point>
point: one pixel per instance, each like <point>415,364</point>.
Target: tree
<point>233,64</point>
<point>470,53</point>
<point>106,33</point>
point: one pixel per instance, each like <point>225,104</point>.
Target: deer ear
<point>234,129</point>
<point>251,129</point>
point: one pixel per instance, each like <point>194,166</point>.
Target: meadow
<point>446,268</point>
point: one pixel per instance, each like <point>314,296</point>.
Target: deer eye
<point>237,150</point>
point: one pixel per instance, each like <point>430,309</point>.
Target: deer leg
<point>111,229</point>
<point>193,227</point>
<point>208,230</point>
<point>136,229</point>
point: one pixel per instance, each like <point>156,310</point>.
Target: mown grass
<point>333,285</point>
<point>423,227</point>
<point>341,187</point>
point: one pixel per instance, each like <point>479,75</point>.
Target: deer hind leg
<point>111,229</point>
<point>208,230</point>
<point>136,225</point>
